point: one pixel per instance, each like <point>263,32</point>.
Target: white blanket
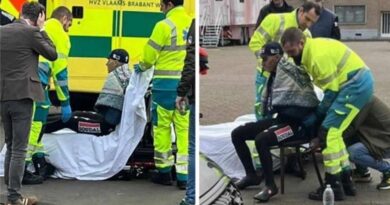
<point>87,157</point>
<point>215,142</point>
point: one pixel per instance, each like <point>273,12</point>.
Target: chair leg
<point>317,169</point>
<point>282,170</point>
<point>300,164</point>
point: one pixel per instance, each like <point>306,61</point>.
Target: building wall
<point>371,29</point>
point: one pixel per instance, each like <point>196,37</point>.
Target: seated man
<point>368,142</point>
<point>108,105</point>
<point>290,94</point>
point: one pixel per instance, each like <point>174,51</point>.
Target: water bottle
<point>328,196</point>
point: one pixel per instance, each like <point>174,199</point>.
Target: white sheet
<point>215,142</point>
<point>87,157</point>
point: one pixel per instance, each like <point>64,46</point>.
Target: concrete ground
<point>228,92</point>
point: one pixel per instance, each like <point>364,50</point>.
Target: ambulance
<point>98,27</point>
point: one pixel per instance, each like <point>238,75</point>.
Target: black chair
<point>297,145</point>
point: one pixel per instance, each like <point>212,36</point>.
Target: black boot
<point>266,193</point>
<point>182,185</point>
<point>42,168</point>
<point>29,178</point>
<point>248,180</point>
<point>162,178</point>
<point>335,183</point>
<point>348,184</point>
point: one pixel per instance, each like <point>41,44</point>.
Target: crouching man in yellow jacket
<point>348,85</point>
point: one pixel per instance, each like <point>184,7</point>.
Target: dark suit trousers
<point>16,116</point>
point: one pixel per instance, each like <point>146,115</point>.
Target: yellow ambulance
<point>98,27</point>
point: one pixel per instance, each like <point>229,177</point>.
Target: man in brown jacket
<point>368,141</point>
<point>21,44</point>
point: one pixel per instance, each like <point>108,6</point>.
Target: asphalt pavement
<point>74,192</point>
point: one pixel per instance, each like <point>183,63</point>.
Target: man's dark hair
<point>292,35</point>
<point>174,2</point>
<point>307,6</point>
<point>31,10</point>
<point>60,12</point>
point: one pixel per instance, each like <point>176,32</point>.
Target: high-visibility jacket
<point>271,29</point>
<point>348,85</point>
<point>329,62</point>
<point>5,18</point>
<point>58,69</point>
<point>166,48</point>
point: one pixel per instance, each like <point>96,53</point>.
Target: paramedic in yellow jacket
<point>56,27</point>
<point>348,85</point>
<point>166,50</point>
<point>271,29</point>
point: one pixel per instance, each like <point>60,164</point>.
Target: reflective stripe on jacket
<point>271,29</point>
<point>58,69</point>
<point>329,62</point>
<point>166,47</point>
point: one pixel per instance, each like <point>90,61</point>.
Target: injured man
<point>84,156</point>
<point>108,106</point>
<point>290,95</point>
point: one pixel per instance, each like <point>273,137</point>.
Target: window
<point>351,14</point>
<point>77,12</point>
<point>241,1</point>
<point>386,24</point>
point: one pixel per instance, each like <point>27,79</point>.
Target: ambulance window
<point>77,12</point>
